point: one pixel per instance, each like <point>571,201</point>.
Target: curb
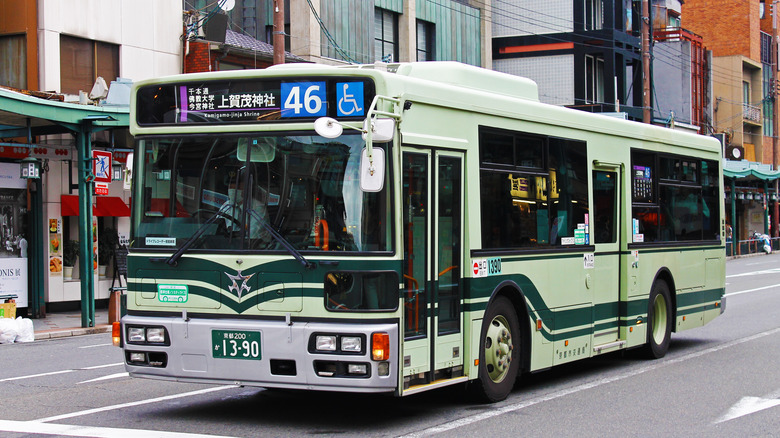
<point>59,333</point>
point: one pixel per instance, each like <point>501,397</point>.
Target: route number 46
<point>303,99</point>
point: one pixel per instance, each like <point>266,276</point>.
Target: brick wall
<point>729,27</point>
<point>198,59</point>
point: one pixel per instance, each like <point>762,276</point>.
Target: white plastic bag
<point>25,330</point>
<point>8,330</point>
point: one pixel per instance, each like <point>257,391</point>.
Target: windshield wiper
<point>279,238</point>
<point>219,213</point>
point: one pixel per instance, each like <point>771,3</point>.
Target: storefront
<point>36,226</point>
<point>751,200</point>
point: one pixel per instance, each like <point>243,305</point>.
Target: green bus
<point>402,227</point>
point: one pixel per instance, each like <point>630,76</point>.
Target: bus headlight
<point>351,344</point>
<point>136,334</point>
<point>326,343</point>
<point>155,334</point>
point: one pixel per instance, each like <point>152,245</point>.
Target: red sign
<point>101,188</point>
<point>101,166</point>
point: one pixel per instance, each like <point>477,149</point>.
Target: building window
<point>594,79</point>
<point>13,74</point>
<point>425,39</point>
<point>674,20</point>
<point>82,61</point>
<point>385,35</point>
<point>746,93</point>
<point>594,14</point>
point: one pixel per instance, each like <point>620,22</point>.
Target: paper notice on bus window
<point>639,238</point>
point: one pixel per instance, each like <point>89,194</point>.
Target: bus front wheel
<point>499,354</point>
<point>659,321</point>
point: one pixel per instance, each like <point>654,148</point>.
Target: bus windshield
<point>231,190</point>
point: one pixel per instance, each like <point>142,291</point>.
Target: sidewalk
<point>64,324</point>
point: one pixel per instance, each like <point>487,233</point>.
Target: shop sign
<point>13,279</point>
<point>101,188</point>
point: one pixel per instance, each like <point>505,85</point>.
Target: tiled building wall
<point>526,17</point>
<point>553,74</point>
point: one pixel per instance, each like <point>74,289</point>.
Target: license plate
<point>235,344</point>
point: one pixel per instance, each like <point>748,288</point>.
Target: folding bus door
<point>432,239</point>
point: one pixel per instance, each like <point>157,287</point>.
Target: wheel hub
<point>498,349</point>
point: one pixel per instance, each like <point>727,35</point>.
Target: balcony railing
<point>751,113</point>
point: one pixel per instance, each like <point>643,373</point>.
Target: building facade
<point>582,53</point>
<point>58,49</point>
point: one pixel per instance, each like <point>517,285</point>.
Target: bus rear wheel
<point>499,352</point>
<point>659,321</point>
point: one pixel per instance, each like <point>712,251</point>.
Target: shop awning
<point>70,205</point>
<point>110,206</point>
<point>747,170</point>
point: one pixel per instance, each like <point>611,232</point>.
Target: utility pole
<point>775,106</point>
<point>278,39</point>
<point>647,111</point>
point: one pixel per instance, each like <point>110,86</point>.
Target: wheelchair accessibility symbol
<point>350,99</point>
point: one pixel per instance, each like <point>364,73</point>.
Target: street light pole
<point>278,39</point>
<point>775,117</point>
<point>646,108</point>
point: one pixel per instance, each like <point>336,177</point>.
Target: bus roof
<point>461,86</point>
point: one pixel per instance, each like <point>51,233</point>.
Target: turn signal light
<point>380,346</point>
<point>116,332</point>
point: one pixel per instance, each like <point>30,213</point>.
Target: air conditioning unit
<point>735,152</point>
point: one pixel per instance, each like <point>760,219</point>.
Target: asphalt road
<point>718,380</point>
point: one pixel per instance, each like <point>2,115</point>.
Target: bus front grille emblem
<point>235,288</point>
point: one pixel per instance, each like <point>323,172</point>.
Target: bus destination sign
<point>253,100</point>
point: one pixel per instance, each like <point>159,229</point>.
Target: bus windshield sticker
<point>160,241</point>
<point>172,293</point>
<point>486,267</point>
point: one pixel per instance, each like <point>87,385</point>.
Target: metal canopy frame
<point>27,116</point>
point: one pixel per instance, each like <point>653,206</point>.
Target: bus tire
<point>499,352</point>
<point>659,321</point>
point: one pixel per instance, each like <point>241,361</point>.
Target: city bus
<point>396,228</point>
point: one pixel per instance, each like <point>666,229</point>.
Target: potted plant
<point>70,253</point>
<point>109,239</point>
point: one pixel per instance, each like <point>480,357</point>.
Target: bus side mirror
<point>382,130</point>
<point>372,175</point>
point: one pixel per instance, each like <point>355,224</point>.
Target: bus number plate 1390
<point>235,344</point>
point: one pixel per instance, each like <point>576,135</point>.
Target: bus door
<point>432,294</point>
<point>606,264</point>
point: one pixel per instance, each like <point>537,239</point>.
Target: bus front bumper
<point>276,354</point>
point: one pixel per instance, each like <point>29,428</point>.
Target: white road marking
<point>54,373</point>
<point>103,366</point>
<point>135,403</point>
<point>746,274</point>
<point>751,290</point>
<point>590,385</point>
<point>748,405</point>
<point>10,379</point>
<point>98,345</point>
<point>109,377</point>
<point>32,427</point>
